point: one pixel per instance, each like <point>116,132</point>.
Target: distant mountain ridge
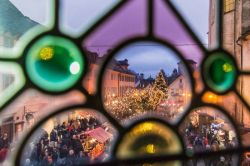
<point>12,20</point>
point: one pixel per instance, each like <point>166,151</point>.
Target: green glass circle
<point>54,63</point>
<point>219,72</point>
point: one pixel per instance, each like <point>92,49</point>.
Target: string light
<point>138,101</point>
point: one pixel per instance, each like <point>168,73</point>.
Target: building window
<point>229,5</point>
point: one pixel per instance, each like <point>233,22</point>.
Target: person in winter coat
<point>222,162</point>
<point>53,136</point>
<point>77,145</point>
<point>71,158</point>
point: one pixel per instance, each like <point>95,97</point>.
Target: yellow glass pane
<point>228,5</point>
<point>147,139</point>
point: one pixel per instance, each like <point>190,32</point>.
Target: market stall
<point>96,140</point>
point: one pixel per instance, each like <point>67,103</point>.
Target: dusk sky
<point>77,16</point>
<point>149,53</point>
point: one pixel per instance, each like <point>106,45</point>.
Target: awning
<point>99,134</point>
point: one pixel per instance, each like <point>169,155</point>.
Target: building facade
<point>179,88</point>
<point>179,93</point>
<point>236,40</point>
<point>116,83</point>
<point>117,78</point>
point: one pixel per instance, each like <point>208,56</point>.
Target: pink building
<point>117,79</point>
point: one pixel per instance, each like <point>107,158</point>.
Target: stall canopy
<point>99,134</point>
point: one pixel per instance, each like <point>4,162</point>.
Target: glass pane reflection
<point>18,18</point>
<point>72,138</point>
<point>147,139</point>
<point>207,129</point>
<point>146,78</point>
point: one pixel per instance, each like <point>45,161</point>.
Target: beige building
<point>236,40</point>
<point>179,93</point>
<point>179,88</point>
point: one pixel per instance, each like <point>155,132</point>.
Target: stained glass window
<point>123,83</point>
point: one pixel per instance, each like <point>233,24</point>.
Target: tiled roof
<point>116,66</point>
<point>146,82</point>
<point>123,62</point>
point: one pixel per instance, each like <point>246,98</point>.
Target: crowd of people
<point>209,137</point>
<point>66,145</point>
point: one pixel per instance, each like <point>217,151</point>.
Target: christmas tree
<point>160,82</point>
<point>139,101</point>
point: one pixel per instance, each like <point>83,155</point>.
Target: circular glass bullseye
<point>147,139</point>
<point>219,72</point>
<point>54,63</point>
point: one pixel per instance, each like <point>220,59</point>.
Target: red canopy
<point>99,134</point>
